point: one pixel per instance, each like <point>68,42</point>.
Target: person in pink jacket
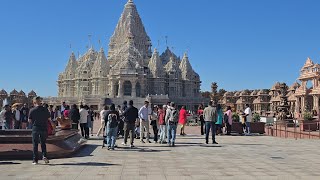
<point>182,120</point>
<point>229,120</point>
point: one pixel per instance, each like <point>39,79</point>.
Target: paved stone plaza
<point>236,157</point>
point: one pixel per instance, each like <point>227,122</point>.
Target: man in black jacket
<point>74,115</point>
<point>130,118</point>
<point>39,117</point>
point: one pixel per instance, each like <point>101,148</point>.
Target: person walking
<point>210,118</point>
<point>182,120</point>
<point>83,122</point>
<point>172,117</point>
<point>144,121</point>
<point>90,119</point>
<point>130,117</point>
<point>228,120</point>
<point>219,120</point>
<point>248,114</point>
<point>24,116</point>
<point>201,119</point>
<point>112,118</point>
<point>155,123</point>
<point>39,117</point>
<point>17,117</point>
<point>58,116</point>
<point>103,114</point>
<point>74,116</point>
<point>3,118</point>
<point>162,123</point>
<point>121,122</point>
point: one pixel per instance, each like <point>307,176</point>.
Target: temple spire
<point>130,26</point>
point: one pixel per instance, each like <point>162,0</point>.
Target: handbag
<point>153,123</point>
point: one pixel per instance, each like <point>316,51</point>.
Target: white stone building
<point>130,71</point>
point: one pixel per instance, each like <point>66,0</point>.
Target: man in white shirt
<point>248,114</point>
<point>103,114</point>
<point>83,122</point>
<point>144,121</point>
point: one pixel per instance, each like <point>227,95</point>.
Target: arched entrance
<point>138,89</point>
<point>127,88</point>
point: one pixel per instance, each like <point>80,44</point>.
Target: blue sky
<point>238,43</point>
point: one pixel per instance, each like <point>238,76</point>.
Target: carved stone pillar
<point>120,93</point>
<point>316,103</point>
<point>133,91</point>
<point>111,92</point>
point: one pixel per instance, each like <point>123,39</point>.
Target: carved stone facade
<point>130,70</point>
<point>302,97</point>
<point>16,97</point>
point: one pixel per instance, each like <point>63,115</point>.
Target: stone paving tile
<point>239,157</point>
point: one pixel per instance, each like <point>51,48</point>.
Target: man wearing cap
<point>38,117</point>
<point>144,121</point>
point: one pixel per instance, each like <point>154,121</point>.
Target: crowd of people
<point>122,121</point>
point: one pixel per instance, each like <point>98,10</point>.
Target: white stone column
<point>111,92</point>
<point>120,93</point>
<point>133,91</point>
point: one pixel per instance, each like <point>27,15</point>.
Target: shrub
<point>235,117</point>
<point>307,116</point>
<point>256,117</point>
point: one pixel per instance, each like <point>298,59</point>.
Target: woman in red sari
<point>183,120</point>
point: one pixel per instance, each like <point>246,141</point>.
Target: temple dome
<point>3,93</point>
<point>14,92</point>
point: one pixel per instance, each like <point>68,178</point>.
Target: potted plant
<point>256,117</point>
<point>256,125</point>
<point>307,124</point>
<point>235,117</point>
<point>236,124</point>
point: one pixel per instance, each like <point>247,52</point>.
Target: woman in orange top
<point>182,120</point>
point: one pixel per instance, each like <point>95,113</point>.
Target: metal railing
<point>298,129</point>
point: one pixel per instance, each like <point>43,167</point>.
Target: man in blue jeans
<point>210,118</point>
<point>112,119</point>
<point>172,117</point>
<point>38,117</point>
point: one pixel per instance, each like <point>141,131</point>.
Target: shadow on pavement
<point>84,164</point>
<point>9,163</point>
<point>141,149</point>
<point>85,151</point>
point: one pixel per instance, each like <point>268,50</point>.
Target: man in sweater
<point>210,118</point>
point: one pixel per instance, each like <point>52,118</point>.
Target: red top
<point>161,116</point>
<point>183,116</point>
<point>66,113</point>
<point>200,112</point>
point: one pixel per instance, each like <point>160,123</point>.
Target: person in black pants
<point>130,117</point>
<point>200,115</point>
<point>83,122</point>
<point>155,123</point>
<point>74,115</point>
<point>39,117</point>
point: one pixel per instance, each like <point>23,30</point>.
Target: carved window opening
<point>138,89</point>
<point>127,86</point>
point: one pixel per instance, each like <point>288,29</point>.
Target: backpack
<point>113,120</point>
<point>175,116</point>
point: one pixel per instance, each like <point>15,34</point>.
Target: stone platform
<point>236,157</point>
<point>17,144</point>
